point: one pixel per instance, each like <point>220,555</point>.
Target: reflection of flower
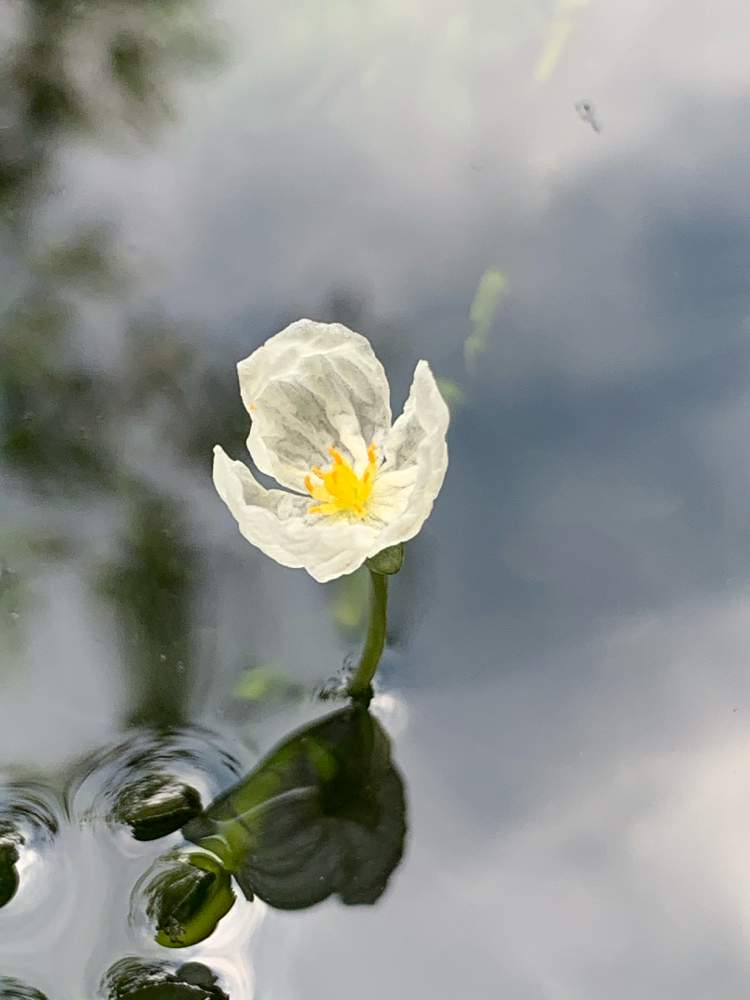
<point>321,426</point>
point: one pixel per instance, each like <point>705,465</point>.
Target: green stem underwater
<point>359,686</point>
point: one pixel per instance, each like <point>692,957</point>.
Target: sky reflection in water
<point>566,688</point>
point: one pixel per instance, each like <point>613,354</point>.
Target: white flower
<point>321,426</point>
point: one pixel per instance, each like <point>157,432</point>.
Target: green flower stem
<point>359,686</point>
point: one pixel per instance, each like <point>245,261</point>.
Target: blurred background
<point>547,199</point>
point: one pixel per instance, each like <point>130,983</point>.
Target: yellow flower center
<point>341,490</point>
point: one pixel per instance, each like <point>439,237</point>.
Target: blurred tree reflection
<point>53,407</point>
<point>151,584</point>
<point>77,66</point>
<point>71,70</point>
<point>193,401</point>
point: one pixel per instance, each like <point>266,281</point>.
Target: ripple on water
<point>151,784</point>
<point>30,820</point>
<point>133,978</point>
<point>12,989</point>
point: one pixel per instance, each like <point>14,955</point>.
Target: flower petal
<point>416,459</point>
<point>277,522</point>
<point>310,387</point>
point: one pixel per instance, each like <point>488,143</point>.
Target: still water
<point>548,200</point>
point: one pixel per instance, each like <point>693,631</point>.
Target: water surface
<point>546,199</point>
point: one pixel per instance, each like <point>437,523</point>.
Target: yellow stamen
<point>341,490</point>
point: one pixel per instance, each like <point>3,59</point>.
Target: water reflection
<point>151,583</point>
<point>73,67</point>
<point>578,692</point>
<point>78,73</point>
<point>8,872</point>
<point>323,814</point>
<point>28,824</point>
<point>12,989</point>
<point>151,783</point>
<point>131,979</point>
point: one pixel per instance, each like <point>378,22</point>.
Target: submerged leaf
<point>323,814</point>
<point>452,393</point>
<point>267,683</point>
<point>553,49</point>
<point>493,288</point>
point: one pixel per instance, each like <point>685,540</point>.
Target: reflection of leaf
<point>323,814</point>
<point>493,288</point>
<point>131,979</point>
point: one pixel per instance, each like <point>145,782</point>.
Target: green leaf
<point>322,814</point>
<point>186,897</point>
<point>156,805</point>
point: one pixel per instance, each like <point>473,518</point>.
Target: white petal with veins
<point>317,386</point>
<point>313,386</point>
<point>416,459</point>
